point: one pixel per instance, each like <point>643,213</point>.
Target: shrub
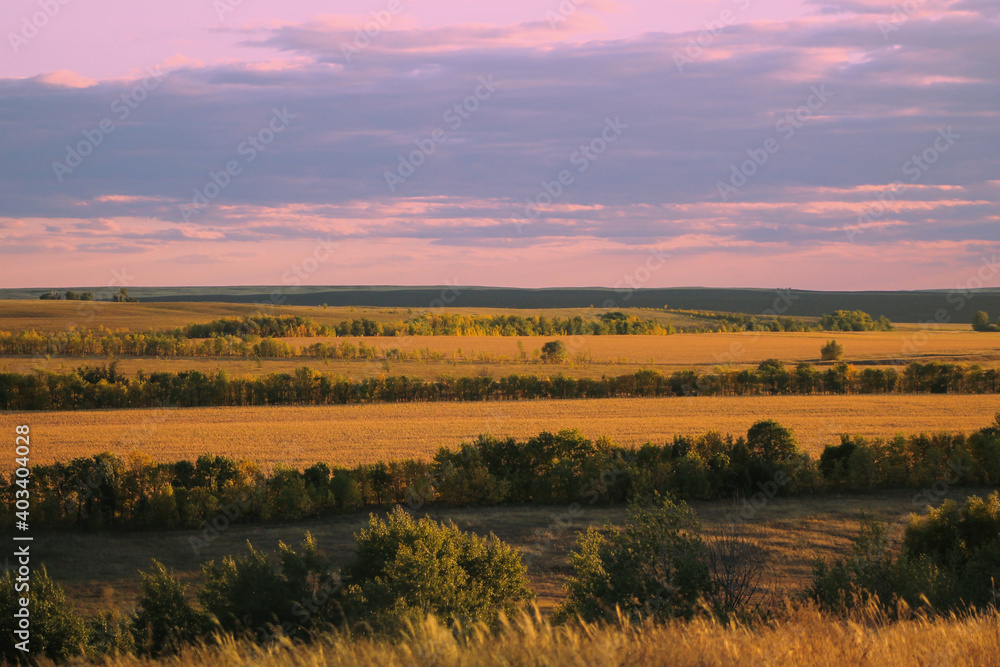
<point>832,351</point>
<point>165,619</point>
<point>655,565</point>
<point>554,352</point>
<point>405,569</point>
<point>253,594</point>
<point>56,631</point>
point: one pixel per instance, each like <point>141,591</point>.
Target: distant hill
<point>911,306</point>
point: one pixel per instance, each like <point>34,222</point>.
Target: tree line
<point>256,335</point>
<point>206,495</point>
<point>100,387</point>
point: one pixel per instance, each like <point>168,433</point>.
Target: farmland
<point>352,434</point>
<point>589,356</point>
<point>795,530</point>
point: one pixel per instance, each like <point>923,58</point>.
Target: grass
<point>804,638</point>
<point>100,570</point>
<point>352,434</point>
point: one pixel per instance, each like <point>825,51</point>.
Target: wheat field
<point>352,434</point>
<point>590,356</point>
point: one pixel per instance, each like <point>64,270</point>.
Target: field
<point>17,315</point>
<point>796,530</point>
<point>351,434</point>
<point>99,569</point>
<point>804,638</point>
<point>590,356</point>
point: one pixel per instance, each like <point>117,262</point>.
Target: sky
<point>814,144</point>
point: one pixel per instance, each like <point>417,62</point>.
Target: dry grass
<point>100,570</point>
<point>351,434</point>
<point>804,638</point>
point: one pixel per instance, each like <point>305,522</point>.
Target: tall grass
<point>803,636</point>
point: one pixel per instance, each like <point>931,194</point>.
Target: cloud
<point>492,176</point>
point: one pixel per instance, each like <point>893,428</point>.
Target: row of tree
<point>257,336</point>
<point>209,494</point>
<point>104,387</point>
<point>121,295</point>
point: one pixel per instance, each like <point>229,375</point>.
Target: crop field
<point>589,356</point>
<point>797,531</point>
<point>40,315</point>
<point>352,434</point>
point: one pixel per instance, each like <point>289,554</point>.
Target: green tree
<point>554,352</point>
<point>405,568</point>
<point>165,619</point>
<point>654,565</point>
<point>832,351</point>
<point>55,629</point>
<point>981,321</point>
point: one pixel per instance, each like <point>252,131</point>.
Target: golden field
<point>17,315</point>
<point>590,356</point>
<point>805,638</point>
<point>352,434</point>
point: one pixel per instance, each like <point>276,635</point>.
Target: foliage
<point>554,352</point>
<point>831,351</point>
<point>102,387</point>
<point>256,595</point>
<point>654,566</point>
<point>950,559</point>
<point>854,320</point>
<point>106,491</point>
<point>405,569</point>
<point>981,322</point>
<point>56,631</point>
<point>164,620</point>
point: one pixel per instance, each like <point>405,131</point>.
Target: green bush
<point>165,619</point>
<point>655,565</point>
<point>405,568</point>
<point>831,351</point>
<point>256,595</point>
<point>56,631</point>
<point>110,633</point>
<point>950,559</point>
<point>555,352</point>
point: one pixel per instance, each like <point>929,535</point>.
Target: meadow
<point>804,638</point>
<point>796,531</point>
<point>352,434</point>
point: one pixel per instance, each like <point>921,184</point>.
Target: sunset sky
<point>517,143</point>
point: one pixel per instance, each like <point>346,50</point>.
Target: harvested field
<point>590,356</point>
<point>16,315</point>
<point>351,434</point>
